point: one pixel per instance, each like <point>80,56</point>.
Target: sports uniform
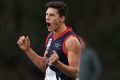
<point>57,43</point>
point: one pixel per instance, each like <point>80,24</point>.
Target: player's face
<point>53,19</point>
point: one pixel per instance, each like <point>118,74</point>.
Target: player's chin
<point>50,30</point>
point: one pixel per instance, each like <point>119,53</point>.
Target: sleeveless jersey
<point>56,43</point>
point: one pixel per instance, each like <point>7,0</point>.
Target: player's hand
<point>54,58</point>
<point>24,43</point>
<point>45,55</point>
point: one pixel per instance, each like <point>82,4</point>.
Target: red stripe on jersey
<point>63,46</point>
<point>62,33</point>
<point>47,39</point>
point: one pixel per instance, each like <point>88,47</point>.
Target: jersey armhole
<point>47,39</point>
<point>63,46</point>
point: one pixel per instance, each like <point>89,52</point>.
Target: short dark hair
<point>61,6</point>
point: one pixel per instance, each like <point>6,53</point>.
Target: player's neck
<point>61,28</point>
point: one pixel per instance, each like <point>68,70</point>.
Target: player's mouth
<point>49,27</point>
<point>48,24</point>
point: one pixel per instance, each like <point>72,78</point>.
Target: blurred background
<point>96,21</point>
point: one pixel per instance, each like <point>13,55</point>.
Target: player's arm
<point>24,44</point>
<point>36,59</point>
<point>73,47</point>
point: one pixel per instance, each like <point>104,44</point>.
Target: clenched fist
<point>24,43</point>
<point>54,58</point>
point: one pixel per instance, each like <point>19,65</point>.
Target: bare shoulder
<point>72,39</point>
<point>72,43</point>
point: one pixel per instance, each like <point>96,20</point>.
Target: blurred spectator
<point>90,67</point>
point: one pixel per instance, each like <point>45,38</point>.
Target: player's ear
<point>62,18</point>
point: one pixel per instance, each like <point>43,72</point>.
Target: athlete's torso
<point>56,43</point>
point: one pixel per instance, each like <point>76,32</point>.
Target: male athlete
<point>62,55</point>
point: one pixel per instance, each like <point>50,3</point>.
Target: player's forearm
<point>68,70</point>
<point>36,59</point>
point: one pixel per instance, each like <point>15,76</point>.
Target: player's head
<point>60,6</point>
<point>55,15</point>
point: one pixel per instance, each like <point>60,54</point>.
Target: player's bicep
<point>73,48</point>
